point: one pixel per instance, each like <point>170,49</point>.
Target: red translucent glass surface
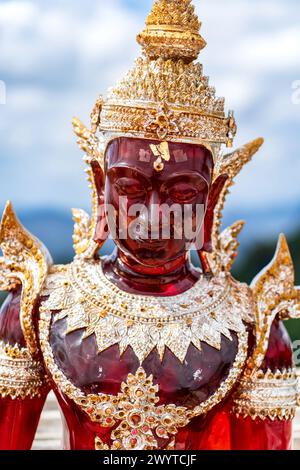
<point>280,353</point>
<point>10,328</point>
<point>18,422</point>
<point>173,279</point>
<point>185,180</point>
<point>188,383</point>
<point>247,434</point>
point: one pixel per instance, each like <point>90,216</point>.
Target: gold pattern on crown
<point>172,31</point>
<point>166,96</point>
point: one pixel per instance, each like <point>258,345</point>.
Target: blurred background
<point>56,57</point>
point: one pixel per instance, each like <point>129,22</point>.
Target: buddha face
<point>157,197</point>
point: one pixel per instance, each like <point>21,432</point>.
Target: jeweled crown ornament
<point>166,96</point>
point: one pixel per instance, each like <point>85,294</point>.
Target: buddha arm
<point>266,401</point>
<point>23,387</point>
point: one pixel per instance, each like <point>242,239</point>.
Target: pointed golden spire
<point>172,31</point>
<point>165,96</point>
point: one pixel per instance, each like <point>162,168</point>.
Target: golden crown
<point>166,96</point>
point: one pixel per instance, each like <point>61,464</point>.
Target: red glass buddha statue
<point>142,349</point>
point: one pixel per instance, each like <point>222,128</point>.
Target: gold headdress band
<point>165,96</point>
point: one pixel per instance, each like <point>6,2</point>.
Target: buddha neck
<point>173,278</point>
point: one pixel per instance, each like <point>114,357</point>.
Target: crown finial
<point>172,31</point>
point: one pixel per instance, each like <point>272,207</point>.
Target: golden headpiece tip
<point>8,210</point>
<point>282,241</point>
<point>254,146</point>
<point>260,141</point>
<point>7,216</point>
<point>172,31</point>
<point>8,205</point>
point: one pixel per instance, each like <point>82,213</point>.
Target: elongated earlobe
<point>214,196</point>
<point>101,230</point>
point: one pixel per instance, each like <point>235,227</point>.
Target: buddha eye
<point>184,192</point>
<point>130,187</point>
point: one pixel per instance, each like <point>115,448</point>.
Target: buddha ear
<point>99,214</point>
<point>214,195</point>
<point>98,175</point>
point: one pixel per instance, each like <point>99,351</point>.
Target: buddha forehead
<point>155,158</point>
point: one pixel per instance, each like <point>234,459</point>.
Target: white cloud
<point>272,51</point>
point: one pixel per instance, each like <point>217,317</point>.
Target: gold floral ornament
<point>141,421</point>
<point>25,260</point>
<point>275,295</point>
<point>163,122</point>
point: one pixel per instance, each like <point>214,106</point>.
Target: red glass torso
<point>188,384</point>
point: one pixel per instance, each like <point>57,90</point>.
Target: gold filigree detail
<point>274,294</point>
<point>140,420</point>
<point>85,225</point>
<point>162,152</point>
<point>95,115</point>
<point>88,142</point>
<point>210,309</point>
<point>20,376</point>
<point>7,281</point>
<point>230,165</point>
<point>138,397</point>
<point>133,108</point>
<point>172,31</point>
<point>228,244</point>
<point>27,260</point>
<point>271,395</point>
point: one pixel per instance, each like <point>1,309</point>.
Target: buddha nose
<point>150,218</point>
<point>155,214</point>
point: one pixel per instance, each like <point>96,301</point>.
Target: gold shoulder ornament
<point>270,394</point>
<point>25,262</point>
<point>275,295</point>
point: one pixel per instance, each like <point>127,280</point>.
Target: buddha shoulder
<point>25,263</point>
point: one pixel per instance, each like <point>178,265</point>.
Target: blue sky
<point>56,57</point>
